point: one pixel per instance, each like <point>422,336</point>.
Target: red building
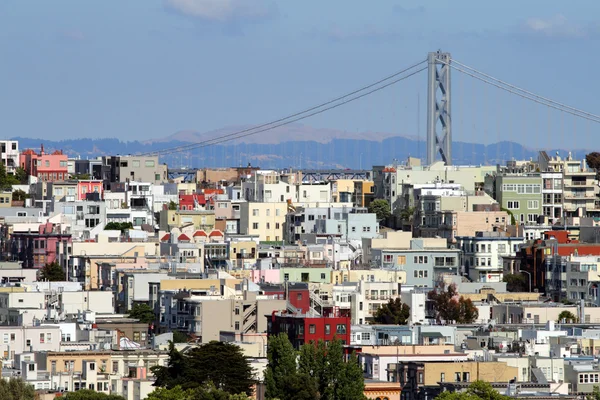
<point>47,167</point>
<point>191,201</point>
<point>296,293</point>
<point>307,328</point>
<point>543,256</point>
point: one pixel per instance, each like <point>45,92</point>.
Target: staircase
<point>249,320</point>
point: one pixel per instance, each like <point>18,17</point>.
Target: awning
<point>432,334</point>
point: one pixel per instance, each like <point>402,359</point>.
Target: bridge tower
<point>439,108</point>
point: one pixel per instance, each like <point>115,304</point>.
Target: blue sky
<point>140,69</point>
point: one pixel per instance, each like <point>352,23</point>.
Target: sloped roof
<point>166,238</point>
<point>183,237</point>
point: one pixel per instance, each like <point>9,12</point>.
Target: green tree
<point>513,220</point>
<point>516,283</point>
<point>595,394</point>
<point>175,393</point>
<point>19,195</point>
<point>318,371</point>
<point>118,226</point>
<point>172,205</point>
<point>381,208</point>
<point>478,390</point>
<point>52,272</point>
<point>566,315</point>
<point>21,176</point>
<point>6,180</point>
<point>142,312</point>
<point>281,370</point>
<point>16,389</point>
<point>86,394</point>
<point>180,337</point>
<point>215,363</point>
<point>451,307</point>
<point>393,313</point>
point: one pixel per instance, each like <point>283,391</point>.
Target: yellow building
<point>431,373</point>
<point>243,253</point>
<point>5,199</point>
<point>364,192</point>
<point>201,219</point>
<point>264,220</point>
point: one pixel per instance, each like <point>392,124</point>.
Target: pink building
<point>265,276</point>
<point>47,167</point>
<point>91,186</point>
<point>36,249</point>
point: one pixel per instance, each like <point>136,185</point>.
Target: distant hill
<point>297,146</point>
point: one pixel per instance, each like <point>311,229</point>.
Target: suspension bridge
<point>439,131</point>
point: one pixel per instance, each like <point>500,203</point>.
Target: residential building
<point>483,253</point>
<point>264,220</point>
<point>9,155</point>
<point>308,328</point>
<point>46,167</point>
<point>199,219</point>
<point>521,195</point>
<point>47,245</point>
<point>133,168</point>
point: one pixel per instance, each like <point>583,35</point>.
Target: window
<point>533,204</point>
<point>255,225</point>
<point>442,377</point>
<point>322,276</point>
<point>457,377</point>
<point>420,377</point>
<point>115,367</point>
<point>5,341</point>
<point>299,296</point>
<point>401,260</point>
<point>12,337</point>
<point>255,212</point>
<point>149,163</point>
<point>237,325</point>
<point>340,329</point>
<point>388,258</point>
<point>466,377</point>
<point>268,212</point>
<point>365,336</point>
<point>312,329</point>
<point>135,164</point>
<point>42,337</point>
<point>48,337</point>
<point>327,329</point>
<point>513,205</point>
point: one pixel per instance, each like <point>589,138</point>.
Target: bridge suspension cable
<point>490,80</point>
<point>309,112</point>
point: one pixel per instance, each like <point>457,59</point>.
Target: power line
<point>537,99</point>
<point>233,135</point>
<point>268,128</point>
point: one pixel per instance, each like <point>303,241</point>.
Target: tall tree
<point>21,176</point>
<point>281,370</point>
<point>450,307</point>
<point>52,272</point>
<point>16,389</point>
<point>142,312</point>
<point>381,208</point>
<point>393,313</point>
<point>352,384</point>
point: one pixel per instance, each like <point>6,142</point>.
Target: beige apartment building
<point>264,220</point>
<point>200,219</point>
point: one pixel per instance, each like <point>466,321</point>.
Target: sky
<point>141,69</point>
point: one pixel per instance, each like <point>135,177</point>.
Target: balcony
<point>585,183</point>
<point>245,256</point>
<point>576,196</point>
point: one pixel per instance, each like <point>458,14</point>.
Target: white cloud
<point>222,10</point>
<point>556,26</point>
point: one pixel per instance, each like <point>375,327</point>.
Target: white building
<point>9,154</point>
<point>483,254</point>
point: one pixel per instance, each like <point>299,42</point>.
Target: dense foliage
<point>7,180</point>
<point>516,283</point>
<point>52,272</point>
<point>86,394</point>
<point>450,307</point>
<point>142,312</point>
<point>216,363</point>
<point>16,389</point>
<point>381,207</point>
<point>315,372</point>
<point>180,337</point>
<point>205,392</point>
<point>118,226</point>
<point>393,313</point>
<point>478,390</point>
<point>566,315</point>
